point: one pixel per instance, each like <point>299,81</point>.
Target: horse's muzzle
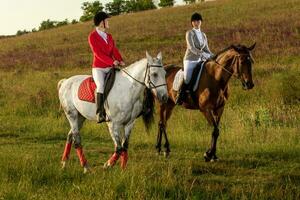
<point>164,98</point>
<point>248,85</point>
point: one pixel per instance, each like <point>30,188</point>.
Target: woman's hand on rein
<point>116,63</point>
<point>122,63</point>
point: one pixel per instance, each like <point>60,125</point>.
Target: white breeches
<point>188,67</point>
<point>99,75</point>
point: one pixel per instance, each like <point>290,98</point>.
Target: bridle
<point>147,74</point>
<point>238,75</point>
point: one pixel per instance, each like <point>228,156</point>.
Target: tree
<point>138,5</point>
<point>166,3</point>
<point>90,9</point>
<point>62,23</point>
<point>145,5</point>
<point>47,25</point>
<point>189,1</point>
<point>74,21</point>
<point>115,7</point>
<point>19,32</point>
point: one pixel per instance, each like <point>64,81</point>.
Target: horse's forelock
<point>241,49</point>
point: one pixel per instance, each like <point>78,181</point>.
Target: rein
<point>151,84</point>
<point>226,70</point>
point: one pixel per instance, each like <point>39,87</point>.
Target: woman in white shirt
<point>197,50</point>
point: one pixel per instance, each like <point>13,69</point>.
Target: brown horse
<point>212,92</point>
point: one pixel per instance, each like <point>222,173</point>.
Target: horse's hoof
<point>214,159</point>
<point>107,165</point>
<point>86,169</point>
<point>158,153</point>
<point>166,154</point>
<point>206,157</point>
<point>63,164</point>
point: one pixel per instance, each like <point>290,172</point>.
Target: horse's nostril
<point>165,98</point>
<point>249,85</point>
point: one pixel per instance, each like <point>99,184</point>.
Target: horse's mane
<point>239,47</point>
<point>133,64</point>
<point>171,67</point>
<point>222,51</point>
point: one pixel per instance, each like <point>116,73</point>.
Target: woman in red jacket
<point>106,56</point>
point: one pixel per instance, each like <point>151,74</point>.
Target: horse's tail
<point>59,83</point>
<point>148,108</point>
<point>58,87</point>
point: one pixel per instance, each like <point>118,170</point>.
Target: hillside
<point>274,25</point>
<point>259,143</point>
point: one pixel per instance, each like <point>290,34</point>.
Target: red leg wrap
<point>66,151</point>
<point>113,159</point>
<point>124,159</point>
<point>81,156</point>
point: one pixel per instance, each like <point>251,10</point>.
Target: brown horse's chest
<point>211,99</point>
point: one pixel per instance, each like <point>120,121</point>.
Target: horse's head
<point>243,65</point>
<point>156,77</point>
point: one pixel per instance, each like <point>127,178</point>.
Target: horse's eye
<point>155,75</point>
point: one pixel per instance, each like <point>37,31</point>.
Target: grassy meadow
<point>259,143</point>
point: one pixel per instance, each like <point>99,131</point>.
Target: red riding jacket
<point>104,53</point>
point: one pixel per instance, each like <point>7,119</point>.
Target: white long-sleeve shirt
<point>199,36</point>
<point>102,34</point>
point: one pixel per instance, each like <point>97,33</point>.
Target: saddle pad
<point>86,90</point>
<point>178,80</point>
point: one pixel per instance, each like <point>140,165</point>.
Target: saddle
<point>86,90</point>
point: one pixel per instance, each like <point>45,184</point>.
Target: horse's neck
<point>137,71</point>
<point>223,69</point>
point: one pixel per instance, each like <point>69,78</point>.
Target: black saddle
<point>195,74</point>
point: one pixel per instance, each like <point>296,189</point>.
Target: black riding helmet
<point>196,17</point>
<point>99,17</point>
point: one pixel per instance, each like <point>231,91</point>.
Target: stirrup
<point>178,100</point>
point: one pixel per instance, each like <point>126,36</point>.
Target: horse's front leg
<point>210,154</point>
<point>159,137</point>
<point>214,119</point>
<point>115,132</point>
<point>165,113</point>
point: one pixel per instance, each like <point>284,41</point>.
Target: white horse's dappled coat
<point>124,102</point>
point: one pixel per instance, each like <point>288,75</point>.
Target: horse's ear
<point>236,48</point>
<point>148,56</point>
<point>252,47</point>
<point>159,56</point>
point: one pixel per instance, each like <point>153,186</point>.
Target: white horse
<point>123,105</point>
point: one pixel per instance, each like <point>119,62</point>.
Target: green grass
<point>259,144</point>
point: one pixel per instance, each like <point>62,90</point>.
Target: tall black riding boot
<point>181,94</point>
<point>100,112</point>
